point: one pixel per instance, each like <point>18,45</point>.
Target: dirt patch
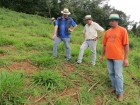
<point>69,92</point>
<point>36,100</point>
<point>69,67</point>
<point>24,65</point>
<point>97,101</point>
<point>2,55</point>
<point>72,93</point>
<point>9,47</point>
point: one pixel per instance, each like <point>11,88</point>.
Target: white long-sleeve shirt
<point>91,30</point>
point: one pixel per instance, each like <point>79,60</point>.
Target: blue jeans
<point>115,74</point>
<point>66,41</point>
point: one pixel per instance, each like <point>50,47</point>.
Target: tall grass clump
<point>50,79</point>
<point>11,88</point>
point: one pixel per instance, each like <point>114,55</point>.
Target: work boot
<point>120,97</point>
<point>79,62</point>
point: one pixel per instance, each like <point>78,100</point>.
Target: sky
<point>129,7</point>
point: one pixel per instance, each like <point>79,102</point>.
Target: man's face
<point>113,23</point>
<point>65,15</point>
<point>89,21</point>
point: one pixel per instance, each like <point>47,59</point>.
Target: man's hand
<point>101,58</point>
<point>96,38</point>
<point>54,36</point>
<point>125,63</point>
<point>70,30</point>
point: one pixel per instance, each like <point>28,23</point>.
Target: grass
<point>26,44</point>
<point>11,90</point>
<point>50,79</point>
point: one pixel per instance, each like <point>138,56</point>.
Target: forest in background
<point>99,9</point>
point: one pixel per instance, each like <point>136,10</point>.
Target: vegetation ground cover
<point>29,74</point>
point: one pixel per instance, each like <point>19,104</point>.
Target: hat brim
<point>115,19</point>
<point>53,19</point>
<point>65,13</point>
<point>119,20</point>
<point>88,19</point>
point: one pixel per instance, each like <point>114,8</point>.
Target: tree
<point>49,5</point>
<point>99,9</point>
<point>134,28</point>
<point>138,31</point>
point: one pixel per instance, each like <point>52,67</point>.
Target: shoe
<point>54,56</point>
<point>78,62</point>
<point>68,59</point>
<point>93,64</point>
<point>120,97</point>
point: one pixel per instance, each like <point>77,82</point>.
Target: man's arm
<point>71,30</point>
<point>84,35</point>
<point>100,30</point>
<point>103,53</point>
<point>126,50</point>
<point>55,31</point>
<point>100,34</point>
<point>73,24</point>
<point>84,31</point>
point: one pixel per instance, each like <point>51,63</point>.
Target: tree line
<point>99,9</point>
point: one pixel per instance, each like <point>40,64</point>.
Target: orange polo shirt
<point>114,41</point>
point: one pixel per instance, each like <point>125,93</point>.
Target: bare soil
<point>24,65</point>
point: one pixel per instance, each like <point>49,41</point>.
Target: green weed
<point>2,51</point>
<point>11,89</point>
<point>50,79</point>
<point>5,41</point>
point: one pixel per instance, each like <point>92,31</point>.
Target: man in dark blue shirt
<point>62,32</point>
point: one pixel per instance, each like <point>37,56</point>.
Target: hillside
<point>29,75</point>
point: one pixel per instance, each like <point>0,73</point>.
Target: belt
<point>90,39</point>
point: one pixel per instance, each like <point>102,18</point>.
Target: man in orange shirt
<point>115,47</point>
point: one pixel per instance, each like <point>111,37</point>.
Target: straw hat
<point>66,11</point>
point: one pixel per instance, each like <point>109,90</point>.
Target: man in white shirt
<point>90,35</point>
